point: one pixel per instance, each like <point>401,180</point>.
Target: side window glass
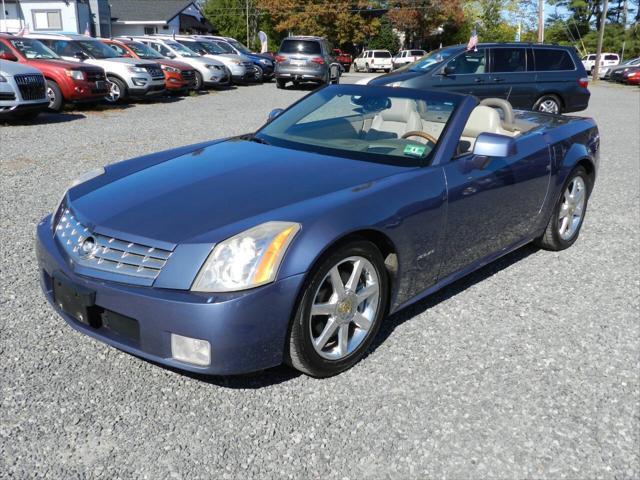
<point>469,63</point>
<point>117,48</point>
<point>4,48</point>
<point>550,60</point>
<point>507,60</point>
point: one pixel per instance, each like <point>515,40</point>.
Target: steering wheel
<point>418,133</point>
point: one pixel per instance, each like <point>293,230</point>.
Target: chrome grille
<point>107,253</point>
<point>95,75</point>
<point>189,75</point>
<point>155,71</point>
<point>31,86</point>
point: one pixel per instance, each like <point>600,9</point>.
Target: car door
<point>466,73</point>
<point>509,78</point>
<point>491,207</point>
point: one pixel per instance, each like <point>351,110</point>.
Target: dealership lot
<point>528,368</point>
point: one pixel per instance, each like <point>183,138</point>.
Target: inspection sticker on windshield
<point>415,150</point>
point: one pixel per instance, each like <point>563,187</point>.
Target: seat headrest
<point>482,119</point>
<point>400,110</point>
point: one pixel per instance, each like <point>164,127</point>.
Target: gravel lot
<point>529,368</point>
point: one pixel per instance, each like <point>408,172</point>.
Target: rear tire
<point>280,83</point>
<point>549,104</point>
<point>334,325</point>
<point>568,214</point>
<point>56,100</point>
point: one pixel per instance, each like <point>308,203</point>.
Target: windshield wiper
<point>251,137</point>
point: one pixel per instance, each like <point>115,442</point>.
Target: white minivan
<point>373,60</point>
<point>606,60</point>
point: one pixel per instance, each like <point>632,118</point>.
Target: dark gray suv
<point>306,59</point>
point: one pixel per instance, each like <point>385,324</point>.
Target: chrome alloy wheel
<point>343,312</point>
<point>572,208</point>
<point>549,106</point>
<point>51,95</point>
<point>114,92</point>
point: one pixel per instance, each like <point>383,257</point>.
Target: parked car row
<point>49,70</point>
<point>626,72</point>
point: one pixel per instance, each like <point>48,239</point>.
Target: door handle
<point>498,79</point>
<point>478,80</point>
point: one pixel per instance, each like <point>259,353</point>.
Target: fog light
<point>139,82</point>
<point>190,350</point>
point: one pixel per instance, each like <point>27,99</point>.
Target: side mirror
<point>494,145</point>
<point>274,113</point>
<point>449,70</point>
<point>8,56</point>
<point>80,55</point>
<point>170,55</point>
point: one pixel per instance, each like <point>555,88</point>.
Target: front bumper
<point>246,330</point>
<point>18,108</point>
<point>148,91</point>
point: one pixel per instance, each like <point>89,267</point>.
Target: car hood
<point>225,186</point>
<point>48,63</point>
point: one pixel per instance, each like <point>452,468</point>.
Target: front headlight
<point>137,69</point>
<point>236,62</point>
<point>170,69</point>
<point>211,67</point>
<point>248,260</point>
<point>264,61</point>
<point>75,74</point>
<point>85,177</point>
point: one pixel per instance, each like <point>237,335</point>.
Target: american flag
<point>473,41</point>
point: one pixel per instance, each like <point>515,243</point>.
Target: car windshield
<point>225,47</point>
<point>379,124</point>
<point>210,47</point>
<point>33,49</point>
<point>143,51</point>
<point>434,58</point>
<point>381,55</point>
<point>239,46</point>
<point>96,49</point>
<point>182,50</point>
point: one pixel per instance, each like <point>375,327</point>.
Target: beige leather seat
<point>483,119</point>
<point>395,121</point>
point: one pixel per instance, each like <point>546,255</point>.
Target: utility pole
<point>540,21</point>
<point>247,3</point>
<point>4,19</point>
<point>603,21</point>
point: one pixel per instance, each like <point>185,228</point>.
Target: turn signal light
<point>583,82</point>
<point>280,58</point>
<point>318,60</point>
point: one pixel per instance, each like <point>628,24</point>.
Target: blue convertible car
<point>293,243</point>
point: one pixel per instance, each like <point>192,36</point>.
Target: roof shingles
<point>151,10</point>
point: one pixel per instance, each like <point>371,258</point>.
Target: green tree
<point>228,17</point>
<point>386,39</point>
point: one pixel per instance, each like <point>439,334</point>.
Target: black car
<point>548,78</point>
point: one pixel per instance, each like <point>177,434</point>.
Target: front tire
<point>117,90</point>
<point>339,314</point>
<point>548,104</point>
<point>568,214</point>
<point>199,82</point>
<point>56,100</point>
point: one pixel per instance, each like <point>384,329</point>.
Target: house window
<point>149,30</point>
<point>47,19</point>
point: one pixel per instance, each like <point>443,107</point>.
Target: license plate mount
<point>74,300</point>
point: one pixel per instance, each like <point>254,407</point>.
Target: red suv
<point>66,81</point>
<point>179,77</point>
